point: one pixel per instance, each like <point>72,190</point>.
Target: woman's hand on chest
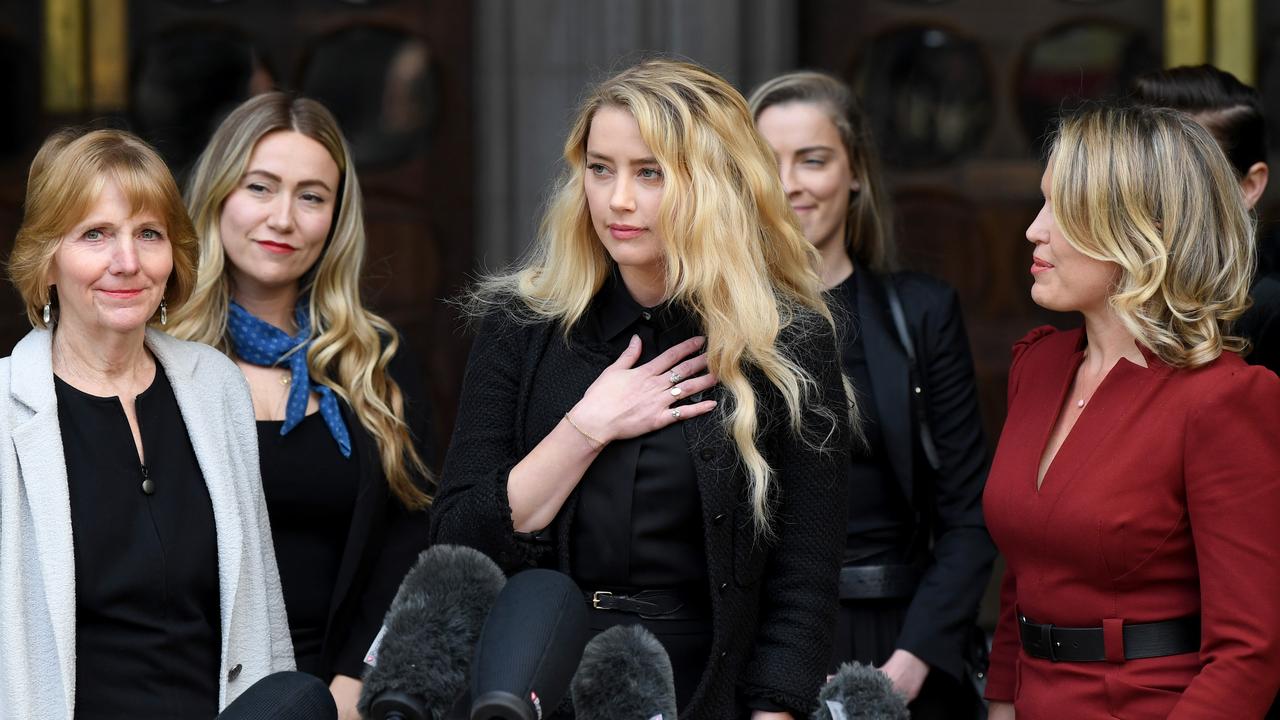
<point>627,401</point>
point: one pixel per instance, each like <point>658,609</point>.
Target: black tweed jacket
<point>774,601</point>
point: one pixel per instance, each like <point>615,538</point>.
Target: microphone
<point>286,695</point>
<point>860,692</point>
<point>529,647</point>
<point>423,653</point>
<point>625,675</point>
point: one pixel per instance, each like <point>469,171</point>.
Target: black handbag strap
<point>917,390</point>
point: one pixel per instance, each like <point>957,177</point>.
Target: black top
<point>310,490</point>
<point>148,637</point>
<point>881,523</point>
<point>639,521</point>
<point>1260,324</point>
<point>948,502</point>
<point>773,600</point>
<point>382,537</point>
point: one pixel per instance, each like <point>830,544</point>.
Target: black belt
<point>652,604</point>
<point>1130,642</point>
<point>871,582</point>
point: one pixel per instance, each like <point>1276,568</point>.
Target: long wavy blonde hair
<point>1150,190</point>
<point>734,254</point>
<point>350,346</point>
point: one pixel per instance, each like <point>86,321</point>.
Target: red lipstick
<point>275,247</point>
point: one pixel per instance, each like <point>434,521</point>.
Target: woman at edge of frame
<point>1133,490</point>
<point>121,446</point>
<point>653,403</point>
<point>917,553</point>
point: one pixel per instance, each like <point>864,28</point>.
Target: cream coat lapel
<point>37,441</point>
<point>209,439</point>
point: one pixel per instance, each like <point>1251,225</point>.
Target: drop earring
<point>48,313</point>
<point>164,312</point>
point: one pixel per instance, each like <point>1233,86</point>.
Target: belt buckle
<point>595,598</point>
<point>1046,637</point>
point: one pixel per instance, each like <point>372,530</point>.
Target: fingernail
<point>635,339</point>
<point>700,341</point>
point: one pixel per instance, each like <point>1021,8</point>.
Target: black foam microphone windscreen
<point>425,647</point>
<point>625,674</point>
<point>283,696</point>
<point>529,647</point>
<point>860,692</point>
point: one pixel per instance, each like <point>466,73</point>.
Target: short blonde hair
<point>66,178</point>
<point>1150,190</point>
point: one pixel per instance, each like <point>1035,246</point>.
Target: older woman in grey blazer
<point>137,575</point>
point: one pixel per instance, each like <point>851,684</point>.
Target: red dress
<point>1163,502</point>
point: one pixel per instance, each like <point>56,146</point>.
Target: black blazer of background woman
<point>948,503</point>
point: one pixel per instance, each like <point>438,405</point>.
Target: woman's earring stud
<point>48,313</point>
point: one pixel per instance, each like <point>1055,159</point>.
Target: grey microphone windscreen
<point>431,629</point>
<point>625,674</point>
<point>860,692</point>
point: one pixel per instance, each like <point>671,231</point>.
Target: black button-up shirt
<point>639,518</point>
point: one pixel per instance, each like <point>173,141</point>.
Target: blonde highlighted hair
<point>734,254</point>
<point>67,176</point>
<point>350,345</point>
<point>1150,190</point>
<point>868,229</point>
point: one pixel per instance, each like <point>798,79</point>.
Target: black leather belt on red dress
<point>1127,642</point>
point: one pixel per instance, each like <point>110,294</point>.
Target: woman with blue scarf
<point>342,420</point>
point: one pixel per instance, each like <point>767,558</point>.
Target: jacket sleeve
<point>1003,670</point>
<point>798,594</point>
<point>1232,461</point>
<point>945,606</point>
<point>472,508</point>
<point>407,531</point>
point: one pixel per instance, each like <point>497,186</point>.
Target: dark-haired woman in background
<point>917,556</point>
<point>1232,112</point>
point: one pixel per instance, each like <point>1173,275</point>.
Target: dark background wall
<point>456,110</point>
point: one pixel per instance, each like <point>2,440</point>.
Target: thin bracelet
<point>595,444</point>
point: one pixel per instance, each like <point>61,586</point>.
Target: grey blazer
<point>37,567</point>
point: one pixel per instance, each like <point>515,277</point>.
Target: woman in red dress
<point>1134,491</point>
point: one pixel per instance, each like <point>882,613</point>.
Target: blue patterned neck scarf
<point>261,343</point>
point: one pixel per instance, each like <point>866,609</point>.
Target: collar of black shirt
<point>615,312</point>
